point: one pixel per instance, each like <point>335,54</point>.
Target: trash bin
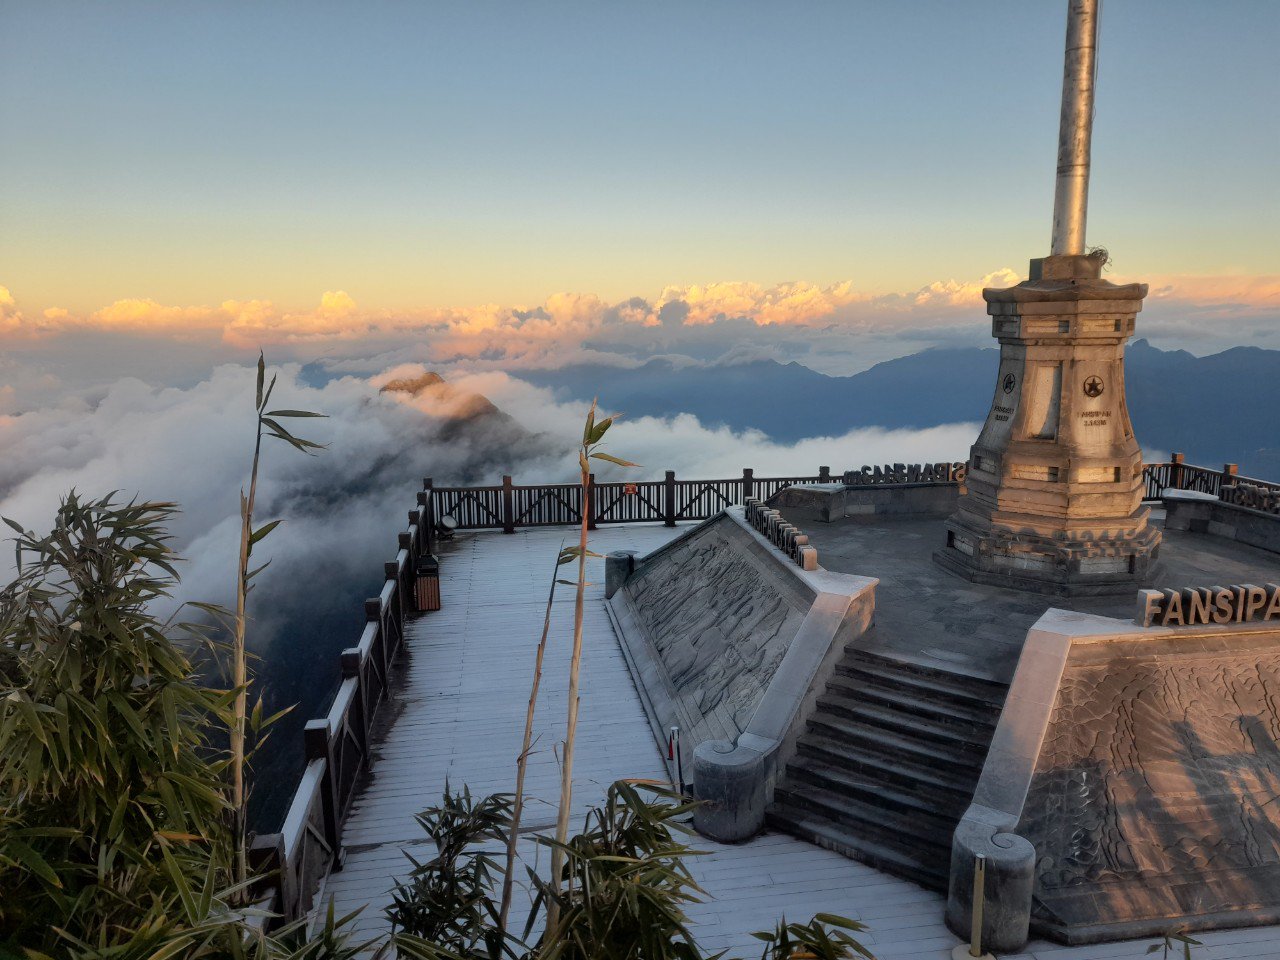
<point>427,593</point>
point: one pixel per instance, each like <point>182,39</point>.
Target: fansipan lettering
<point>1195,606</point>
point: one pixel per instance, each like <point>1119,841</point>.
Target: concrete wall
<point>1203,513</point>
<point>829,502</point>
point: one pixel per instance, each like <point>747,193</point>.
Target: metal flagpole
<point>1079,77</point>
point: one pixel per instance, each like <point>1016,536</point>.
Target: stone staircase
<point>888,764</point>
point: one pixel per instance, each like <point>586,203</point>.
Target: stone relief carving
<point>719,626</point>
<point>1156,788</point>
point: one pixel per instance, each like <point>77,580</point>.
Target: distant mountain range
<point>1216,409</point>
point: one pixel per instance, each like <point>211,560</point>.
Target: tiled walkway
<point>460,716</point>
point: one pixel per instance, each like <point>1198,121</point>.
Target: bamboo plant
<point>267,425</point>
<point>593,433</point>
<point>566,555</point>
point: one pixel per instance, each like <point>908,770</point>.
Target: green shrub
<point>104,761</point>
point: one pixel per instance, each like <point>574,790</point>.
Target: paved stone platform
<point>928,613</point>
<point>459,714</point>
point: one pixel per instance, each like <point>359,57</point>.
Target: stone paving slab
<point>927,612</point>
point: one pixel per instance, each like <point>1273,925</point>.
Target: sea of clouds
<point>156,402</point>
<point>343,508</point>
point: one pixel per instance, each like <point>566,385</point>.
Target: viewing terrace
<point>436,697</point>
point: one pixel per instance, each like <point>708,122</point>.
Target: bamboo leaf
<point>262,532</point>
<point>613,459</point>
<point>262,374</point>
<point>29,859</point>
<point>256,570</point>
<point>295,413</point>
<point>599,430</point>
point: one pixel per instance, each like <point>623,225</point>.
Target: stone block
<point>617,569</point>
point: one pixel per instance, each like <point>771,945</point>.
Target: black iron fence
<point>1177,474</point>
<point>509,506</point>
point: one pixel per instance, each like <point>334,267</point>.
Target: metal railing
<point>509,506</point>
<point>1177,474</point>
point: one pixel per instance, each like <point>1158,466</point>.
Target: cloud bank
<point>839,329</point>
<point>343,508</point>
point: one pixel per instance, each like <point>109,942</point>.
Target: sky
<point>447,155</point>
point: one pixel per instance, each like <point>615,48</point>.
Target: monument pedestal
<point>1053,495</point>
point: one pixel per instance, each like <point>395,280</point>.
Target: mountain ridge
<point>1216,409</point>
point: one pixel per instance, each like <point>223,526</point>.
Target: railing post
<point>824,474</point>
<point>508,506</point>
<point>1229,473</point>
<point>360,723</point>
<point>427,530</point>
<point>378,650</point>
<point>1175,470</point>
<point>318,742</point>
<point>589,495</point>
<point>748,483</point>
<point>405,538</point>
<point>669,500</point>
<point>391,570</point>
<point>266,858</point>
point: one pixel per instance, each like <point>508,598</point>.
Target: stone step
<point>928,865</point>
<point>926,806</point>
<point>844,715</point>
<point>862,820</point>
<point>919,702</point>
<point>892,760</point>
<point>964,677</point>
<point>858,674</point>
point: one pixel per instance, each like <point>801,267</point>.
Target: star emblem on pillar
<point>1093,386</point>
<point>1009,382</point>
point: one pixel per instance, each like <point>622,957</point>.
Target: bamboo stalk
<point>575,666</point>
<point>240,673</point>
<point>522,762</point>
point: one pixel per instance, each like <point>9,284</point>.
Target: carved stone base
<point>1052,499</point>
<point>1053,565</point>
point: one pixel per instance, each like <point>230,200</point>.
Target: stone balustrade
<point>1252,495</point>
<point>782,534</point>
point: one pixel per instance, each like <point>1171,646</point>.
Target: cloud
<point>9,316</point>
<point>148,315</point>
<point>838,328</point>
<point>343,508</point>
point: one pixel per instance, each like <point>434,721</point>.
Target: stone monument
<point>1053,496</point>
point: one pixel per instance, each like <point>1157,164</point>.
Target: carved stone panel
<point>717,618</point>
<point>1155,793</point>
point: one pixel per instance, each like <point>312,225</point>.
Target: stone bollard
<point>618,567</point>
<point>1010,867</point>
<point>731,783</point>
